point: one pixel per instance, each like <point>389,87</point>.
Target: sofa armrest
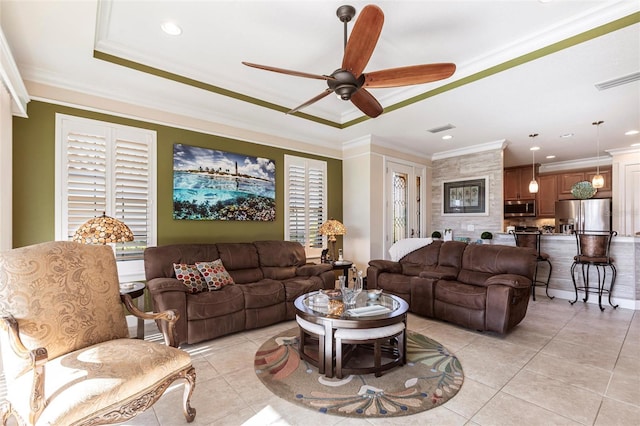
<point>161,285</point>
<point>170,294</point>
<point>386,266</point>
<point>312,269</point>
<point>510,280</point>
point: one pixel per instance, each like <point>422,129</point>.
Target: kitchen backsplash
<point>529,222</point>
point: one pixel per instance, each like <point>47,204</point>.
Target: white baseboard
<point>593,298</point>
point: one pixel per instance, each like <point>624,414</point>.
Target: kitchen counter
<point>561,249</point>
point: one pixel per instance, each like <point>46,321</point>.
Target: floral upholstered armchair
<point>67,355</point>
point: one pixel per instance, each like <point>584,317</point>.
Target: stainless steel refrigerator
<point>583,215</point>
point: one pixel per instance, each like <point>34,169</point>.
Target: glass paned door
<point>404,202</point>
<point>400,204</point>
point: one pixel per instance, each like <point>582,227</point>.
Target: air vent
<point>441,128</point>
<point>618,81</point>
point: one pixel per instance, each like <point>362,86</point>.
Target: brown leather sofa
<point>478,286</point>
<point>268,276</point>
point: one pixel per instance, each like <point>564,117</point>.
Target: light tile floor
<point>563,365</point>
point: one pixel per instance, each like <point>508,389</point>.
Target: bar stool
<point>316,331</point>
<point>375,336</point>
<point>593,250</point>
<point>532,240</point>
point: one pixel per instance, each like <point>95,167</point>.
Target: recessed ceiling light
<point>635,144</point>
<point>632,132</point>
<point>567,135</point>
<point>447,137</point>
<point>171,28</point>
<point>534,148</point>
<point>550,157</point>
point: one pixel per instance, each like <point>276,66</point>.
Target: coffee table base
<point>392,345</point>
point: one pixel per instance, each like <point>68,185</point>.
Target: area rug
<point>430,378</point>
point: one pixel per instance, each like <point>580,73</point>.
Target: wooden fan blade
<point>289,72</point>
<point>363,39</point>
<point>311,101</point>
<point>366,103</point>
<point>406,76</point>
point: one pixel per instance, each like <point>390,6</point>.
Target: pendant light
<point>533,185</point>
<point>598,179</point>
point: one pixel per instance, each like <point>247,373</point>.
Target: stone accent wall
<point>487,163</point>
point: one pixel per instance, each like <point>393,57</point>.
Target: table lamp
<point>331,228</point>
<point>102,230</point>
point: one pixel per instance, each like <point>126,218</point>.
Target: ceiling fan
<point>349,81</point>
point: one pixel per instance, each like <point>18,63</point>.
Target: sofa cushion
<point>262,293</point>
<point>295,287</point>
<point>158,261</point>
<point>479,262</point>
<point>459,294</point>
<point>451,255</point>
<point>280,253</point>
<point>395,283</point>
<point>241,261</point>
<point>279,259</point>
<point>213,304</point>
<point>214,274</point>
<point>413,269</point>
<point>426,256</point>
<point>190,276</point>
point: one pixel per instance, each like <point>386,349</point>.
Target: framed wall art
<point>211,184</point>
<point>465,197</point>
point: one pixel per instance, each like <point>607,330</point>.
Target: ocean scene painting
<point>210,184</point>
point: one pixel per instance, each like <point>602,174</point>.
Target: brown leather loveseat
<point>478,286</point>
<point>268,276</point>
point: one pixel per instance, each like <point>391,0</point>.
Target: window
<point>107,168</point>
<point>305,201</point>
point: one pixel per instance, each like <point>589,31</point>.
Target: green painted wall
<point>34,180</point>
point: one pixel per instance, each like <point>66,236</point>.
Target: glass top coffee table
<point>385,310</point>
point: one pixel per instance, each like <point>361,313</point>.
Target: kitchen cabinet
<point>516,183</point>
<point>566,182</point>
<point>568,179</point>
<point>547,195</point>
<point>605,191</point>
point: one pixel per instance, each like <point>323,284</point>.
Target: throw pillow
<point>190,276</point>
<point>215,274</point>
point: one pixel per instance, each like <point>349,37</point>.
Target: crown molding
<point>499,144</point>
<point>11,79</point>
<point>624,151</point>
<point>575,164</point>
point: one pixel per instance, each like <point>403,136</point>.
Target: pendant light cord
<point>597,124</point>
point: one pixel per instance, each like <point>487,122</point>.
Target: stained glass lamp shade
<point>102,230</point>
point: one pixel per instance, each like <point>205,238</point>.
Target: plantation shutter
<point>131,193</point>
<point>305,198</point>
<point>297,223</point>
<point>86,177</point>
<point>105,168</point>
<point>316,207</point>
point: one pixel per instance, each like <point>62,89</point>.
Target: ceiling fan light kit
<point>349,82</point>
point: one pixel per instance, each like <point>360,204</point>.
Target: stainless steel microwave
<point>520,208</point>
